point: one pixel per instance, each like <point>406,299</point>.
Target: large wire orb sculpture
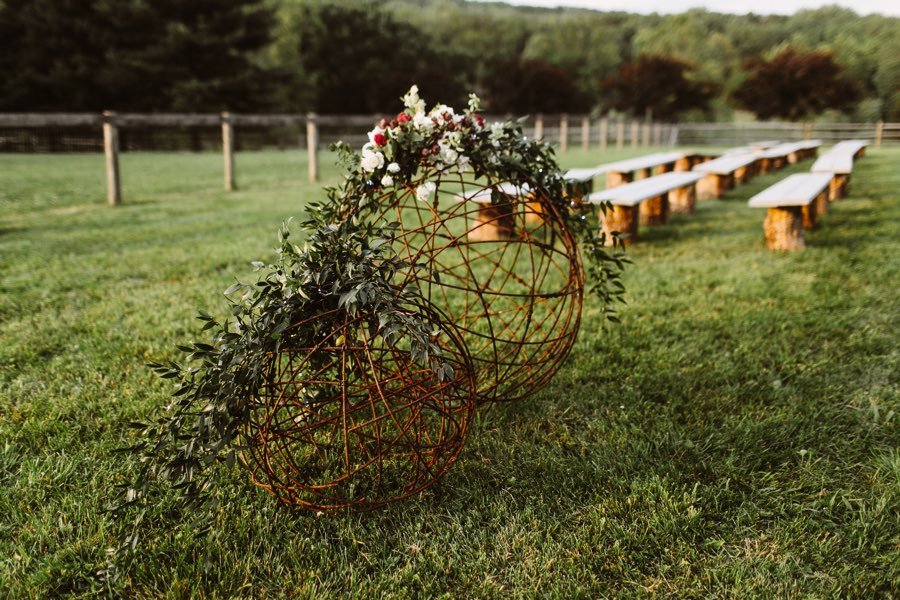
<point>499,262</point>
<point>348,420</point>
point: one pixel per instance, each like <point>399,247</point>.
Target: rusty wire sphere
<point>499,262</point>
<point>347,420</point>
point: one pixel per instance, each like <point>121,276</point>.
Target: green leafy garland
<point>347,262</point>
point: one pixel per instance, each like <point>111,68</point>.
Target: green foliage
<point>338,56</point>
<point>180,55</point>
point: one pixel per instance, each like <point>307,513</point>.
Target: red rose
<point>380,140</point>
<point>403,118</point>
<point>479,119</point>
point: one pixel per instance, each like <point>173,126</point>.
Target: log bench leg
<point>765,165</point>
<point>615,179</point>
<point>642,174</point>
<point>742,174</point>
<point>711,186</point>
<point>495,222</point>
<point>683,200</point>
<point>623,219</point>
<point>821,203</point>
<point>837,187</point>
<point>783,228</point>
<point>683,164</point>
<point>655,211</point>
<point>810,216</point>
<point>664,168</point>
<point>793,158</point>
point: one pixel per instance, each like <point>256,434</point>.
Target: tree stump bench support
<point>722,173</point>
<point>713,185</point>
<point>646,202</point>
<point>792,205</point>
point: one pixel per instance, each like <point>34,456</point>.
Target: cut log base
<point>655,211</point>
<point>810,216</point>
<point>615,179</point>
<point>837,187</point>
<point>623,219</point>
<point>821,203</point>
<point>494,223</point>
<point>783,228</point>
<point>712,186</point>
<point>682,200</point>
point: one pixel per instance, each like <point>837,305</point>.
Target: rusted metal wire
<point>507,273</point>
<point>351,421</point>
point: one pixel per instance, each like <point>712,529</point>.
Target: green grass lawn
<point>736,435</point>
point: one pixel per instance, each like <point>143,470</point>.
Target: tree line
<point>343,56</point>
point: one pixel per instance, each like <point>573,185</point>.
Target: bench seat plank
<point>796,190</point>
<point>727,164</point>
<point>834,161</point>
<point>634,193</point>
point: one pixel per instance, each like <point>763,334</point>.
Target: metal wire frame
<point>351,421</point>
<point>508,275</point>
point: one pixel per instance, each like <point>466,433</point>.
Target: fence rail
<point>112,133</point>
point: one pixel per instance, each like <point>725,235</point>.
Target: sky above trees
<point>779,7</point>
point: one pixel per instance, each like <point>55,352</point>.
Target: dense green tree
<point>185,55</point>
<point>658,84</point>
<point>793,85</point>
<point>359,58</point>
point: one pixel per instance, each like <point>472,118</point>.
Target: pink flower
<point>379,139</point>
<point>403,118</point>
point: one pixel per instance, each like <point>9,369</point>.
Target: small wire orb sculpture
<point>347,420</point>
<point>499,262</point>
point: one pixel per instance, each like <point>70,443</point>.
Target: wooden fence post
<point>539,126</point>
<point>312,147</point>
<point>657,135</point>
<point>879,132</point>
<point>646,141</point>
<point>111,151</point>
<point>564,133</point>
<point>620,134</point>
<point>228,151</point>
<point>635,131</point>
<point>604,133</point>
<point>585,133</point>
<point>807,130</point>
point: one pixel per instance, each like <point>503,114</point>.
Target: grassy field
<point>736,436</point>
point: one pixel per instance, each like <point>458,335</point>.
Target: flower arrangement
<point>354,289</point>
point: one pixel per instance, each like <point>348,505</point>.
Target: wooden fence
<point>51,132</point>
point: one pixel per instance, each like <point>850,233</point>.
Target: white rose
<point>387,181</point>
<point>393,168</point>
<point>422,121</point>
<point>371,160</point>
<point>424,191</point>
<point>463,164</point>
<point>449,155</point>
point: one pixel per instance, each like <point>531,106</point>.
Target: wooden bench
<point>839,163</point>
<point>857,146</point>
<point>647,201</point>
<point>793,204</point>
<point>494,221</point>
<point>722,173</point>
<point>625,171</point>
